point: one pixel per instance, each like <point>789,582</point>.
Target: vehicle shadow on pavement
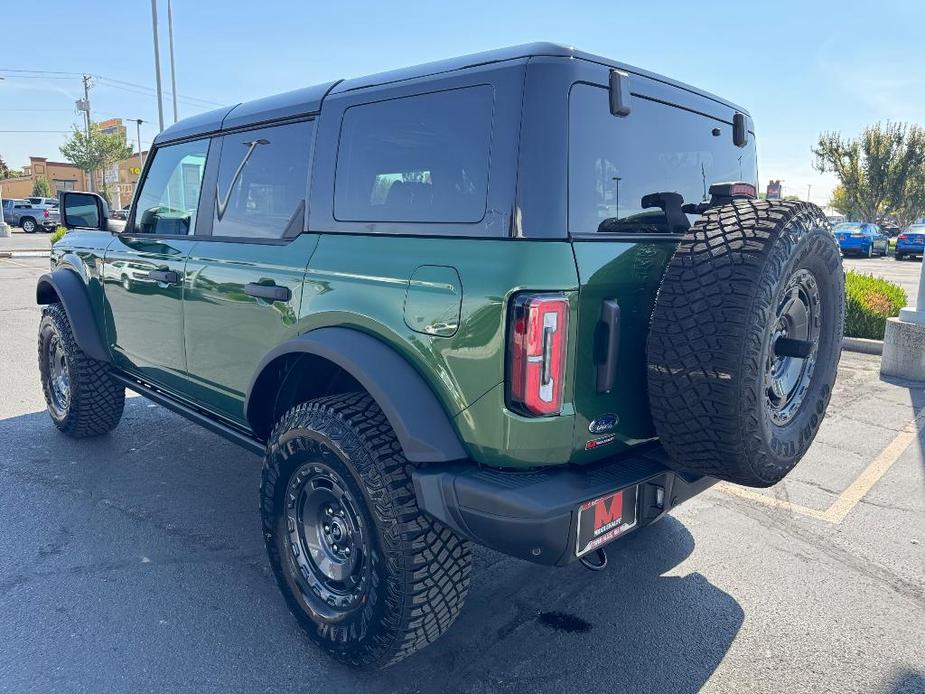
<point>159,518</point>
<point>627,628</point>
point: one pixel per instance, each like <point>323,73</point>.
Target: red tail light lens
<point>903,236</point>
<point>46,214</point>
<point>537,348</point>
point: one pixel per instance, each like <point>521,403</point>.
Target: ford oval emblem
<point>603,424</point>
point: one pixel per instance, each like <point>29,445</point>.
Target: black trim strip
<point>196,416</point>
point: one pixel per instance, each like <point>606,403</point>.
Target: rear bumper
<point>534,515</point>
<point>916,248</point>
<point>854,245</point>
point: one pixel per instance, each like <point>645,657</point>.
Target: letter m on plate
<point>608,509</point>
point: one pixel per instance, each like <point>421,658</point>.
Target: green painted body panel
<point>630,273</point>
<point>146,331</point>
<point>361,282</point>
<point>227,331</point>
<point>82,251</point>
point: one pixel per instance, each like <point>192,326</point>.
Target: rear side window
<point>262,181</point>
<point>169,197</point>
<point>416,159</point>
<point>615,162</point>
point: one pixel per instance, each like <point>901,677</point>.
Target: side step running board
<point>226,431</point>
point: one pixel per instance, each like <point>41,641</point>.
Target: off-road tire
<point>28,225</point>
<point>419,568</point>
<point>712,329</point>
<point>96,400</point>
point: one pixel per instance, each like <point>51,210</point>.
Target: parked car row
<point>31,214</point>
<point>867,240</point>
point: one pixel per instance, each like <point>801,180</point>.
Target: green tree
<point>94,151</point>
<point>840,203</point>
<point>876,171</point>
<point>41,188</point>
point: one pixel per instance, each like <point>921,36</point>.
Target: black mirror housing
<point>80,210</point>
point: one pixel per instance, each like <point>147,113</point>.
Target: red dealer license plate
<point>605,519</point>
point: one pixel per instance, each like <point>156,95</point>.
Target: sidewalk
<point>21,243</point>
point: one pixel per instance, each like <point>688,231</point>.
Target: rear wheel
<point>870,251</point>
<point>368,576</point>
<point>28,225</point>
<point>745,340</point>
<point>899,256</point>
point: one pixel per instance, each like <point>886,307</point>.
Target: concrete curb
<point>860,344</point>
<point>26,253</point>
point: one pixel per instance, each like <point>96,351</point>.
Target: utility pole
<point>157,67</point>
<point>84,106</point>
<point>173,75</point>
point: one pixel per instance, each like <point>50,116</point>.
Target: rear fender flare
<point>67,287</point>
<point>419,420</point>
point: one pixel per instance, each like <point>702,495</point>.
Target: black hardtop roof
<point>308,100</point>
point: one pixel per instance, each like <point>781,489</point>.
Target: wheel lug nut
<point>347,551</point>
<point>334,548</point>
<point>327,528</point>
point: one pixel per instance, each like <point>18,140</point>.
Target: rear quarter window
<point>420,158</point>
<point>658,148</point>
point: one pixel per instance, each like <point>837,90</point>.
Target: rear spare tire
<point>745,339</point>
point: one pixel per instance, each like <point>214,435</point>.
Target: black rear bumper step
<point>534,515</point>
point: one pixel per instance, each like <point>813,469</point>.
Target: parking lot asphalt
<point>905,273</point>
<point>134,562</point>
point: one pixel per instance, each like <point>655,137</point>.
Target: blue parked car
<point>861,238</point>
<point>911,242</point>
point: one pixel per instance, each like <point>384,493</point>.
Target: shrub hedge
<point>57,234</point>
<point>870,301</point>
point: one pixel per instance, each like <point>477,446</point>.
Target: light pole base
<point>904,349</point>
<point>5,230</point>
<point>911,314</point>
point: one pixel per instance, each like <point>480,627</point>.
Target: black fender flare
<point>67,287</point>
<point>420,422</point>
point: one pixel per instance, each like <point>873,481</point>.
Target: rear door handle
<point>165,276</point>
<point>607,368</point>
<point>270,292</point>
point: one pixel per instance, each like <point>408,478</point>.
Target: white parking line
<point>849,498</point>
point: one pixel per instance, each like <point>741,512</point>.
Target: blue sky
<point>799,67</point>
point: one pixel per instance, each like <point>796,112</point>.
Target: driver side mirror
<point>83,210</point>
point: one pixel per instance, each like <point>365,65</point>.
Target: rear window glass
<point>416,159</point>
<point>262,179</point>
<point>847,227</point>
<point>615,162</point>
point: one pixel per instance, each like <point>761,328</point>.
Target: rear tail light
<point>46,214</point>
<point>536,353</point>
<point>903,236</point>
<point>857,236</point>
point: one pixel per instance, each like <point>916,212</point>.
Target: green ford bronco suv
<point>526,299</point>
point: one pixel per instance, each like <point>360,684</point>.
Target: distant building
<point>61,175</point>
<point>120,179</point>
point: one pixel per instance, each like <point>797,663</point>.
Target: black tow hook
<point>601,560</point>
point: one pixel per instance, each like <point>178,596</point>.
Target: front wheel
<point>368,576</point>
<point>83,399</point>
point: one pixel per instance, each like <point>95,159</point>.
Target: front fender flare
<point>420,422</point>
<point>66,286</point>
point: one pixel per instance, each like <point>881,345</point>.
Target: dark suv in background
<point>525,298</point>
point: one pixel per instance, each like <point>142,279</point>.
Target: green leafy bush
<point>870,301</point>
<point>58,234</point>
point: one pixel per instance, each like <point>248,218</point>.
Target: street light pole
<point>141,159</point>
<point>173,75</point>
<point>157,66</point>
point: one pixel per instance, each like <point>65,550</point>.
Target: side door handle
<point>270,292</point>
<point>607,368</point>
<point>165,276</point>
